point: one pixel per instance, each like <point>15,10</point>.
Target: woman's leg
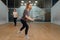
<point>23,22</point>
<point>24,25</point>
<point>27,28</point>
<point>15,20</point>
<point>22,28</point>
<point>26,31</point>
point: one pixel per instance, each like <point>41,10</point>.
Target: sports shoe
<point>27,37</point>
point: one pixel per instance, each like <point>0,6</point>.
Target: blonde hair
<point>27,5</point>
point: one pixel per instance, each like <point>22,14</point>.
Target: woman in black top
<point>25,18</point>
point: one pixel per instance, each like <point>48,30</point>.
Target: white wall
<point>55,13</point>
<point>3,13</point>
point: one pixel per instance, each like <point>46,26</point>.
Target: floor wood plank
<point>37,31</point>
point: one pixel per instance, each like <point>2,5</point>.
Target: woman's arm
<point>29,18</point>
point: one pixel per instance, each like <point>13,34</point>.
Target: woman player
<point>15,16</point>
<point>25,18</point>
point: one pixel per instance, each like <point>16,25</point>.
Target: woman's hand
<point>32,19</point>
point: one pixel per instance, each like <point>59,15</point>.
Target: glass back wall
<point>40,11</point>
<point>36,12</point>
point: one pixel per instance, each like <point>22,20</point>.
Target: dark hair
<point>14,9</point>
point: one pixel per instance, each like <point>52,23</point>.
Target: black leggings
<point>25,25</point>
<point>15,20</point>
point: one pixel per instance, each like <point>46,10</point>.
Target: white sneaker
<point>27,37</point>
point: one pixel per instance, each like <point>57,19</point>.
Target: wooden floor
<point>37,31</point>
